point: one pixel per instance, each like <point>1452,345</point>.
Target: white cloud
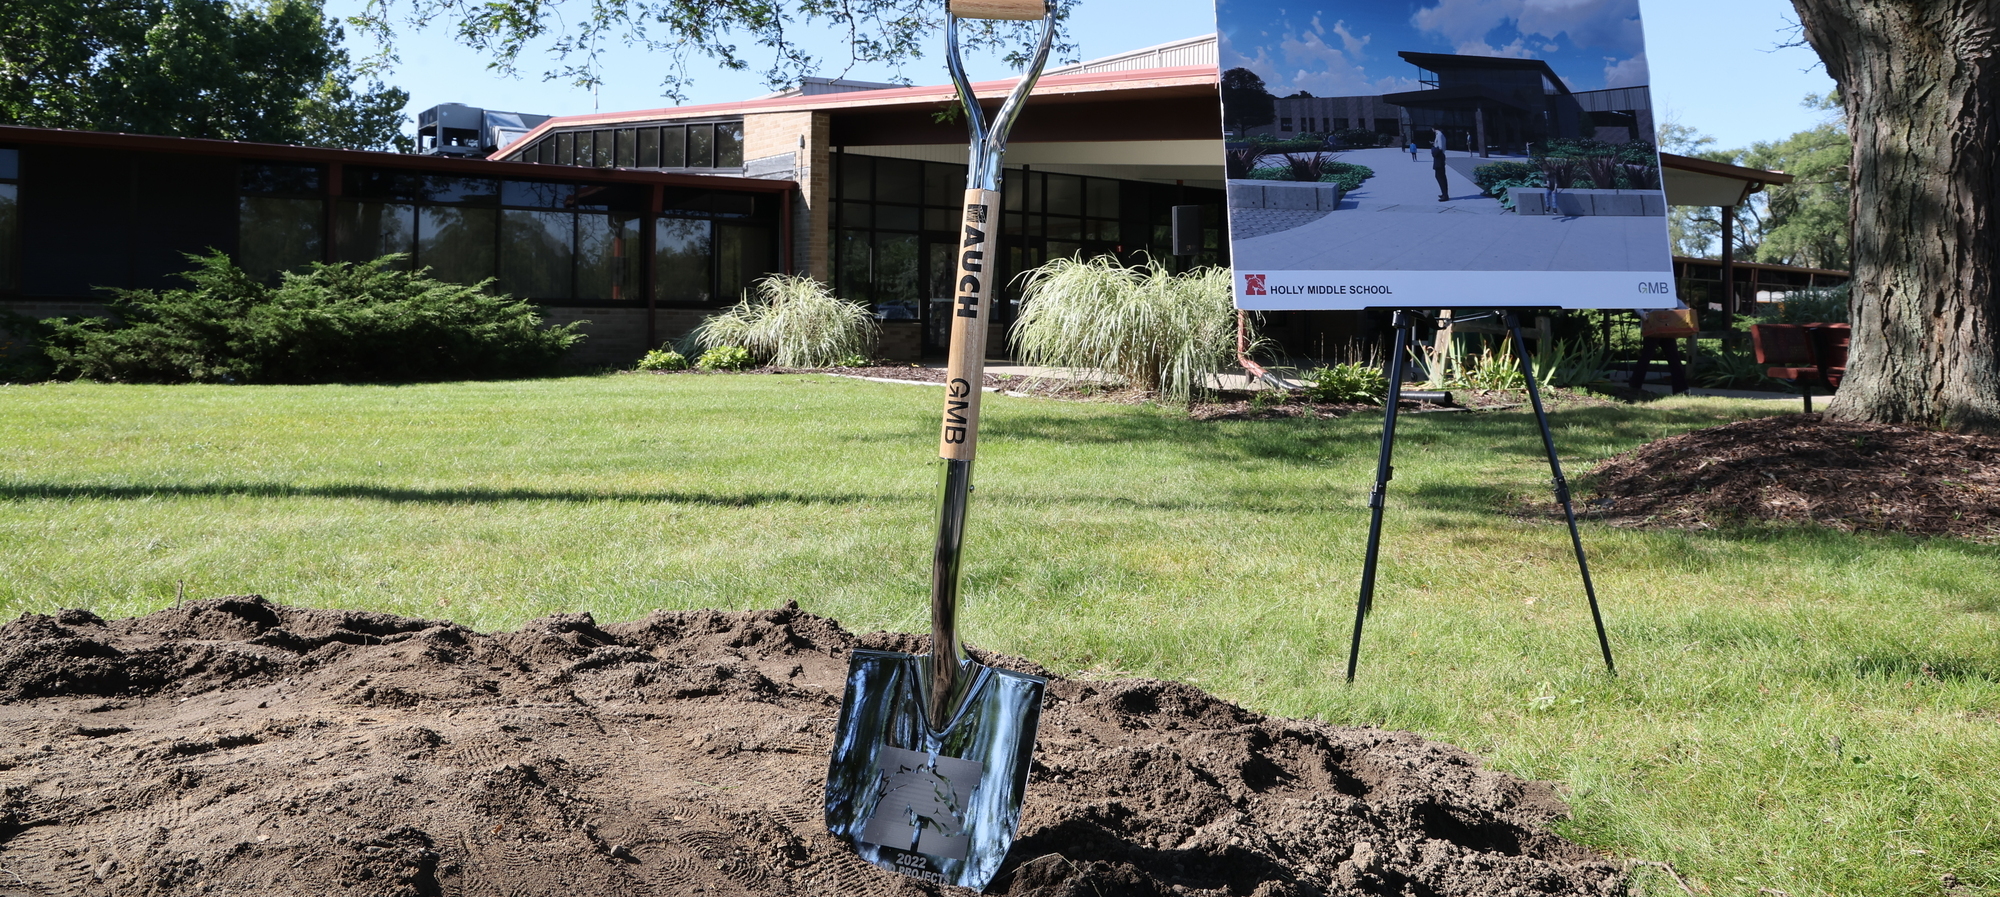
<point>1319,60</point>
<point>1627,72</point>
<point>1611,25</point>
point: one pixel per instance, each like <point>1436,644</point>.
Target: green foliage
<point>725,358</point>
<point>856,360</point>
<point>266,72</point>
<point>663,360</point>
<point>337,323</point>
<point>1246,102</point>
<point>1160,331</point>
<point>1828,305</point>
<point>1346,382</point>
<point>1805,221</point>
<point>1361,137</point>
<point>1728,368</point>
<point>793,321</point>
<point>1495,177</point>
<point>1347,174</point>
<point>1568,364</point>
<point>1302,143</point>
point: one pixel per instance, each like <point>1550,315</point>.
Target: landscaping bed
<point>1807,468</point>
<point>233,745</point>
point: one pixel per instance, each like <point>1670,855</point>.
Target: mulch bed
<point>1807,468</point>
<point>236,746</point>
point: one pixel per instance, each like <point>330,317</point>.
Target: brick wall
<point>614,337</point>
<point>767,139</point>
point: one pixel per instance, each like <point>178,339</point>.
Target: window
<point>565,149</point>
<point>369,230</point>
<point>607,252</point>
<point>456,242</point>
<point>729,144</point>
<point>673,146</point>
<point>601,144</point>
<point>649,147</point>
<point>701,146</point>
<point>10,219</point>
<point>1285,124</point>
<point>681,248</point>
<point>537,251</point>
<point>281,219</point>
<point>627,142</point>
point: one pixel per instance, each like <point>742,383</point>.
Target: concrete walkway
<point>1394,222</point>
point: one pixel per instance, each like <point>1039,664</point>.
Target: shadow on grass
<point>44,491</point>
<point>1307,441</point>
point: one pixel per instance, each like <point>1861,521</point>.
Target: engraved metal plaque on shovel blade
<point>941,802</point>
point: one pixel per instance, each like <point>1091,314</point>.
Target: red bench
<point>1803,354</point>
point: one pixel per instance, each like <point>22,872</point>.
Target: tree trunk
<point>1921,80</point>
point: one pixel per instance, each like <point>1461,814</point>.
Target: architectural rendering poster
<point>1441,154</point>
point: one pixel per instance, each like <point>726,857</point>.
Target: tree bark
<point>1921,81</point>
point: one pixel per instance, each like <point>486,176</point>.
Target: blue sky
<point>1349,47</point>
<point>1716,65</point>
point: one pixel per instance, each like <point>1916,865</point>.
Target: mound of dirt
<point>1807,468</point>
<point>234,746</point>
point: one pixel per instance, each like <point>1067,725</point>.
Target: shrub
<point>793,321</point>
<point>1160,331</point>
<point>1306,166</point>
<point>1361,137</point>
<point>1572,365</point>
<point>856,360</point>
<point>340,323</point>
<point>1826,304</point>
<point>1241,161</point>
<point>1346,382</point>
<point>1347,174</point>
<point>663,360</point>
<point>725,358</point>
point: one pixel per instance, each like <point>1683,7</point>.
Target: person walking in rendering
<point>1437,164</point>
<point>1411,147</point>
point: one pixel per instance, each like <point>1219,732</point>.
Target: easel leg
<point>1561,485</point>
<point>1383,471</point>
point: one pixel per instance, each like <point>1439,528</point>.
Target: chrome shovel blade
<point>937,803</point>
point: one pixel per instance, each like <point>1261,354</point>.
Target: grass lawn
<point>1799,711</point>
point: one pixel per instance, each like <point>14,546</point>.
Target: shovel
<point>930,758</point>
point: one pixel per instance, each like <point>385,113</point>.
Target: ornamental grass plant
<point>1164,332</point>
<point>792,321</point>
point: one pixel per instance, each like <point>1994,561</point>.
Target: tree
<point>1805,222</point>
<point>1246,103</point>
<point>272,73</point>
<point>886,32</point>
<point>1920,82</point>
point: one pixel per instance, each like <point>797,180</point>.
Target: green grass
<point>1798,710</point>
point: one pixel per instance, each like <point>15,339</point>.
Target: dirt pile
<point>1807,468</point>
<point>234,746</point>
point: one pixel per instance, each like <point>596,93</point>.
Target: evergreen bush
<point>339,323</point>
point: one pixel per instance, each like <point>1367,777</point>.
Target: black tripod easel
<point>1405,321</point>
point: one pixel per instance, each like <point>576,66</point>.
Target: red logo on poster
<point>1253,284</point>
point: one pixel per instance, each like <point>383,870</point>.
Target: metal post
<point>1404,321</point>
<point>1561,489</point>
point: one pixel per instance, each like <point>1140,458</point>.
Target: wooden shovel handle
<point>998,9</point>
<point>971,310</point>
